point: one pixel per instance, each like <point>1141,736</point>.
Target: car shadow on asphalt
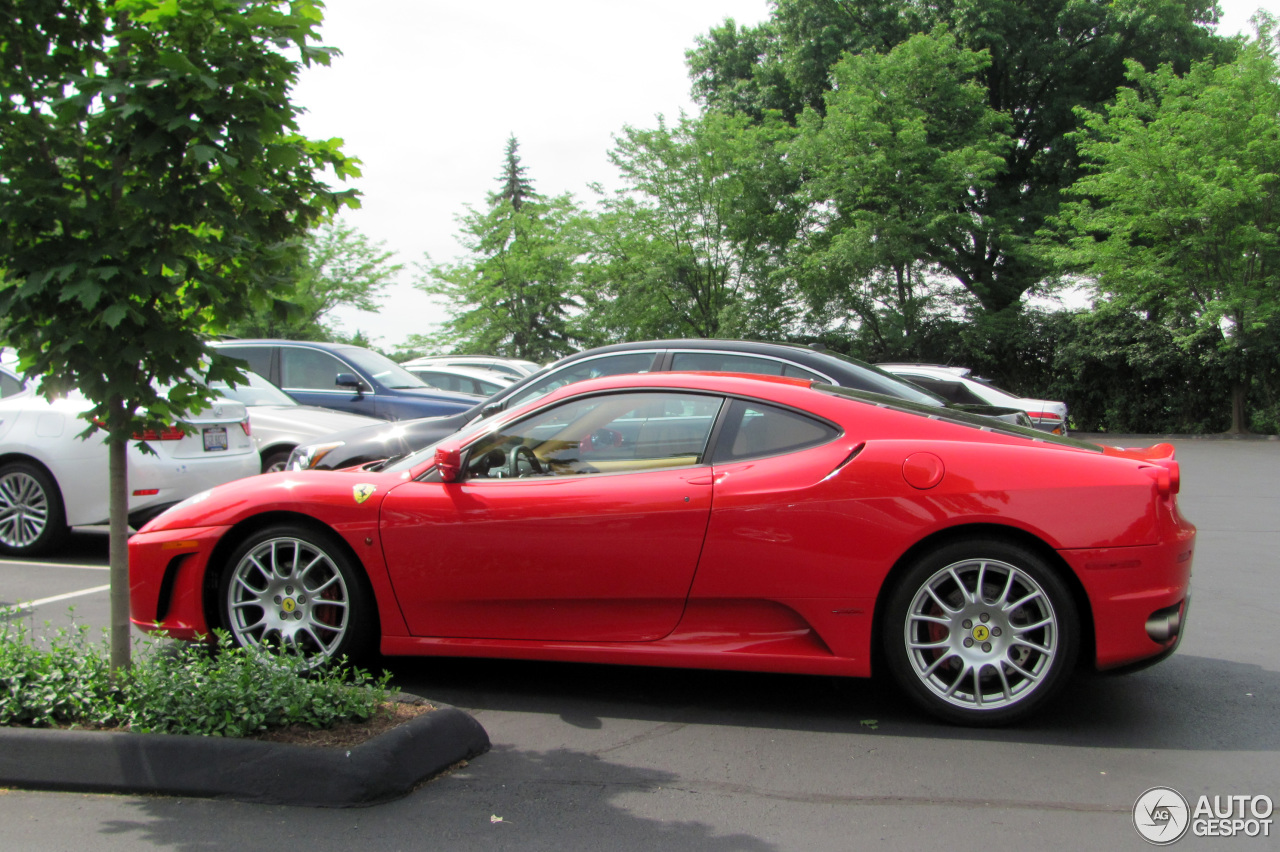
<point>1185,703</point>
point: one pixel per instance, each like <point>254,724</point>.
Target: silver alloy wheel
<point>24,509</point>
<point>286,594</point>
<point>981,634</point>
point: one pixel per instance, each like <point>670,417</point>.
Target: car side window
<point>309,369</point>
<point>259,357</point>
<point>592,368</point>
<point>609,433</point>
<point>729,362</point>
<point>9,385</point>
<point>753,429</point>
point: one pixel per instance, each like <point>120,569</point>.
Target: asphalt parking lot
<point>609,758</point>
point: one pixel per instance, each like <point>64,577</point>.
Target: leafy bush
<point>180,688</point>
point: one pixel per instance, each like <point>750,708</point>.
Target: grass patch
<point>63,679</point>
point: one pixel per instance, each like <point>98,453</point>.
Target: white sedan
<point>280,423</point>
<point>51,479</point>
<point>958,384</point>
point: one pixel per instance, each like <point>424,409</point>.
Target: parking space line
<point>56,598</point>
<point>54,565</point>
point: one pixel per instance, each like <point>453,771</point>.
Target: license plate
<point>215,438</point>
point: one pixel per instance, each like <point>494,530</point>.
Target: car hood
<point>309,421</point>
<point>385,440</point>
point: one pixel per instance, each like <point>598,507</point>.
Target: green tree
<point>339,267</point>
<point>690,245</point>
<point>1179,218</point>
<point>517,295</point>
<point>1045,59</point>
<point>153,185</point>
<point>899,168</point>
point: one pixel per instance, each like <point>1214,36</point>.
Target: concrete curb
<point>384,768</point>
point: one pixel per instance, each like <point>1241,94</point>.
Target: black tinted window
<point>753,429</point>
<point>591,368</point>
<point>729,362</point>
<point>259,357</point>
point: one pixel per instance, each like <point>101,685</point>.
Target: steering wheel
<point>513,466</point>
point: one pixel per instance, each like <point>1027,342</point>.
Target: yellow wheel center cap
<point>981,633</point>
<point>288,605</point>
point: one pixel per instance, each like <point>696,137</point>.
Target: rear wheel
<point>981,632</point>
<point>32,519</point>
<point>294,591</point>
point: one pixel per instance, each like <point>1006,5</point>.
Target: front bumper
<point>167,572</point>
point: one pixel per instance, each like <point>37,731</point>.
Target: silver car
<point>279,423</point>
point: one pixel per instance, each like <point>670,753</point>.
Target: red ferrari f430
<point>705,521</point>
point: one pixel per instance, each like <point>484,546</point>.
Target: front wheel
<point>295,591</point>
<point>981,632</point>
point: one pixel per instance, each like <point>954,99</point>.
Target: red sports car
<point>704,520</point>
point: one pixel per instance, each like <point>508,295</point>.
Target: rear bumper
<point>1139,597</point>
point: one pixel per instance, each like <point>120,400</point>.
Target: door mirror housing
<point>349,380</point>
<point>449,463</point>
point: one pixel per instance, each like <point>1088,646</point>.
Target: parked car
<point>959,385</point>
<point>468,380</point>
<point>705,521</point>
<point>51,479</point>
<point>280,423</point>
<point>515,367</point>
<point>347,378</point>
<point>741,356</point>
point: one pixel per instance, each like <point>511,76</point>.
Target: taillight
<point>1044,415</point>
<point>244,424</point>
<point>1167,476</point>
<point>173,433</point>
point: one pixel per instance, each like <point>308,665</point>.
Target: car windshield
<point>383,369</point>
<point>977,421</point>
<point>258,391</point>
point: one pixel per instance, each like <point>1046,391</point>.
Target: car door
<point>310,377</point>
<point>582,522</point>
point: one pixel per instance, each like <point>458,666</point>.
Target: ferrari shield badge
<point>363,491</point>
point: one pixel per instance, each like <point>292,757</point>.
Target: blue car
<point>346,378</point>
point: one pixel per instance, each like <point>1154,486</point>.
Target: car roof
<point>275,341</point>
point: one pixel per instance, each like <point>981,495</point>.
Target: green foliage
<point>182,688</point>
<point>519,293</point>
<point>339,266</point>
<point>153,186</point>
<point>1043,60</point>
<point>1179,217</point>
<point>899,166</point>
<point>692,244</point>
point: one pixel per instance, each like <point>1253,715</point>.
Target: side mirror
<point>449,463</point>
<point>349,380</point>
<point>491,409</point>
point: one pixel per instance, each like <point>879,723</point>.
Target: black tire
<point>975,659</point>
<point>267,597</point>
<point>32,519</point>
<point>275,460</point>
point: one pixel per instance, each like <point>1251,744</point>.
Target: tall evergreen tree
<point>517,295</point>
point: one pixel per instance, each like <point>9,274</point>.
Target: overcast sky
<point>427,92</point>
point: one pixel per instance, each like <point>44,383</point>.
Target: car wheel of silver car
<point>981,632</point>
<point>32,519</point>
<point>295,592</point>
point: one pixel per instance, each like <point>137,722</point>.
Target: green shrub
<point>64,679</point>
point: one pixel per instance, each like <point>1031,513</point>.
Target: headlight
<point>307,457</point>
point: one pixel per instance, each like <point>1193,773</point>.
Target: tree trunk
<point>118,574</point>
<point>1238,424</point>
